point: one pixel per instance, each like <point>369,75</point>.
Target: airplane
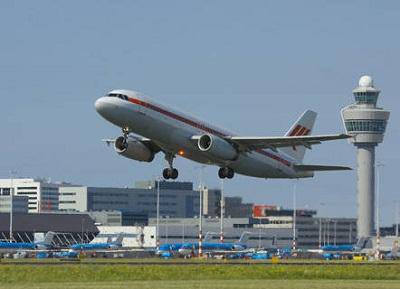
<point>46,244</point>
<point>240,245</point>
<point>158,128</point>
<point>99,246</point>
<point>330,252</point>
<point>175,247</point>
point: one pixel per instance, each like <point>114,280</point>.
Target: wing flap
<point>320,168</point>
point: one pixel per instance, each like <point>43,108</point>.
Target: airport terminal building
<point>271,232</point>
<point>42,194</point>
<point>108,207</point>
<point>177,200</point>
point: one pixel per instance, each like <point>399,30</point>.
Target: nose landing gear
<point>125,133</point>
<point>226,172</point>
<point>171,172</point>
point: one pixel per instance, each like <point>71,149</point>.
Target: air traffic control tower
<point>366,123</point>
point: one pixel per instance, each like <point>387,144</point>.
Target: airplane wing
<point>253,143</point>
<point>110,141</point>
<point>148,142</point>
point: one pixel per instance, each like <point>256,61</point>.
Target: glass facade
<point>377,126</point>
<point>366,97</point>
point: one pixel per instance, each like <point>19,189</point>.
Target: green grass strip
<point>95,273</point>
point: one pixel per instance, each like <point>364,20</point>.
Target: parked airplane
<point>99,246</point>
<point>159,128</point>
<point>43,245</point>
<point>175,247</point>
<point>188,248</point>
<point>330,252</point>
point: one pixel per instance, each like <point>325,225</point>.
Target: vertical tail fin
<point>48,238</point>
<point>244,237</point>
<point>303,126</point>
<point>119,239</point>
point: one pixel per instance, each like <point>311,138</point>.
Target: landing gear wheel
<point>166,173</point>
<point>230,173</point>
<point>221,173</point>
<point>174,174</point>
<point>170,173</point>
<point>226,173</point>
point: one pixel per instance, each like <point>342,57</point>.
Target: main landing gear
<point>226,172</point>
<point>171,172</point>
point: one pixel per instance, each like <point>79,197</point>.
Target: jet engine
<point>133,149</point>
<point>217,147</point>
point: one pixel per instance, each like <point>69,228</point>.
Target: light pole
<point>259,233</point>
<point>158,214</point>
<point>201,188</point>
<point>294,214</point>
<point>183,231</point>
<point>350,233</point>
<point>334,232</point>
<point>82,220</point>
<point>166,229</point>
<point>222,204</point>
<point>378,195</point>
<point>397,219</point>
<point>320,234</point>
<point>329,231</point>
<point>11,203</point>
<point>201,222</point>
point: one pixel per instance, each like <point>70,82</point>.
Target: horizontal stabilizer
<point>320,168</point>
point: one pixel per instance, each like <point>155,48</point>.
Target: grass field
<point>214,284</point>
<point>94,275</point>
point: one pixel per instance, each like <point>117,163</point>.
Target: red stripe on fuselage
<point>199,126</point>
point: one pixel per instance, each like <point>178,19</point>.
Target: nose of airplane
<point>100,105</point>
<point>108,108</point>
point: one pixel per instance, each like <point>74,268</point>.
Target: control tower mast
<point>366,123</point>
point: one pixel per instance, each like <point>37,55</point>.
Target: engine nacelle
<point>217,147</point>
<point>133,149</point>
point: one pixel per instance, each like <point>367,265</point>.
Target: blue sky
<point>249,66</point>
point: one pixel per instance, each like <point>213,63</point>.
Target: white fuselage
<point>172,132</point>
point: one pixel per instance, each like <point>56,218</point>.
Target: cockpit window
<point>121,96</point>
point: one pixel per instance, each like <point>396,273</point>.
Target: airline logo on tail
<point>299,130</point>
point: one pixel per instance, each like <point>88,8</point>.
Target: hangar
<point>69,228</point>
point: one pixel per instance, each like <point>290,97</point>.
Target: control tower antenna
<point>366,123</point>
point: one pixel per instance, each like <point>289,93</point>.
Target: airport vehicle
<point>70,254</point>
<point>261,255</point>
<point>158,128</point>
<point>46,244</point>
<point>99,246</point>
